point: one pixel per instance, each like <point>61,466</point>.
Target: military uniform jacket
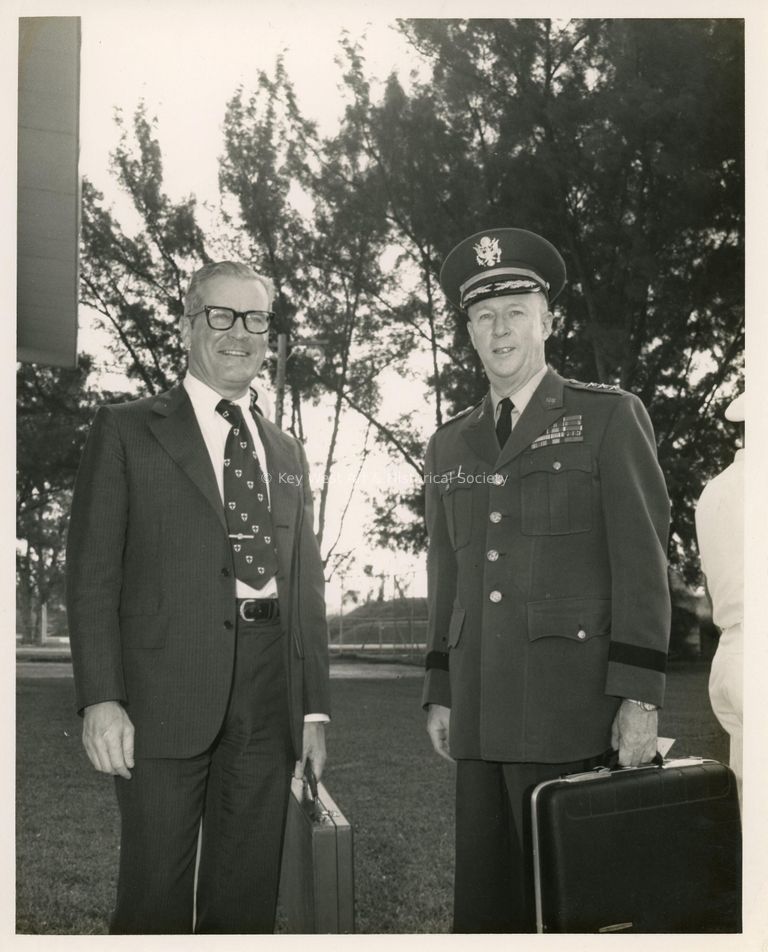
<point>548,593</point>
<point>151,584</point>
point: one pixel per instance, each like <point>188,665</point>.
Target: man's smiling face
<point>226,360</point>
<point>508,333</point>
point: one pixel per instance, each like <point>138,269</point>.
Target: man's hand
<point>634,734</point>
<point>313,750</point>
<point>438,728</point>
<point>108,738</point>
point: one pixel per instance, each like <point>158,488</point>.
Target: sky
<point>189,64</point>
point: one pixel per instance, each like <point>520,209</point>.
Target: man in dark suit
<point>197,624</point>
<point>549,609</point>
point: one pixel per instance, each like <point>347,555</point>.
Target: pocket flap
<point>457,478</point>
<point>558,459</point>
<point>576,618</point>
<point>455,626</point>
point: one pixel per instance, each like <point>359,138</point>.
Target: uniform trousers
<point>238,788</point>
<point>493,883</point>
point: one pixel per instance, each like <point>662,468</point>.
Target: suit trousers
<point>238,788</point>
<point>493,883</point>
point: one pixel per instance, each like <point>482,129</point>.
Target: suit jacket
<point>548,593</point>
<point>150,580</point>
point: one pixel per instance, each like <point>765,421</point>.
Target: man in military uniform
<point>549,608</point>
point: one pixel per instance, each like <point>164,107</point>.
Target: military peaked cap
<point>501,261</point>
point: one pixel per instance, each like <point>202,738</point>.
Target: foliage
<point>325,262</point>
<point>622,142</point>
<point>136,283</point>
<point>54,410</point>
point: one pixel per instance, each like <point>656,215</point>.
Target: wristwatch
<point>643,705</point>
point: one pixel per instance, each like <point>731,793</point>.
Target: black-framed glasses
<point>222,318</point>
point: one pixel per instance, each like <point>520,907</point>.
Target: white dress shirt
<point>215,430</point>
<point>520,398</point>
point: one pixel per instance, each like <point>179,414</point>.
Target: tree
<point>136,283</point>
<point>54,410</point>
<point>325,262</point>
<point>621,141</point>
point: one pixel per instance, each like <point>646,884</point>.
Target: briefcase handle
<point>612,761</point>
<point>320,813</point>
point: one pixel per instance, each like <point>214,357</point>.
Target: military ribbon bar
<point>568,429</point>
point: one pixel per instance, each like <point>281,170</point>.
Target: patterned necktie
<point>245,502</point>
<point>504,423</point>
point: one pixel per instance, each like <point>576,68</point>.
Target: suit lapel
<point>544,407</point>
<point>175,427</point>
<point>479,432</point>
<point>280,462</point>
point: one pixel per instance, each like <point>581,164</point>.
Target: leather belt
<point>258,609</point>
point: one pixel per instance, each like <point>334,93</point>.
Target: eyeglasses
<point>222,318</point>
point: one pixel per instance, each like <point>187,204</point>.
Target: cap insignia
<point>488,251</point>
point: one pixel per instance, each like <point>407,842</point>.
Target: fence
<point>379,634</point>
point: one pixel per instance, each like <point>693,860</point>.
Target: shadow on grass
<point>395,792</point>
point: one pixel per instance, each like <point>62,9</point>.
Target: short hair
<point>193,299</point>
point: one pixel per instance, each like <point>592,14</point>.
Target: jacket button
<point>495,516</point>
<point>557,465</point>
<point>498,480</point>
<point>228,625</point>
<point>495,596</point>
<point>581,635</point>
<point>225,572</point>
<point>492,555</point>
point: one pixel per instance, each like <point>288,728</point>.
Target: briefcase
<point>645,849</point>
<point>317,877</point>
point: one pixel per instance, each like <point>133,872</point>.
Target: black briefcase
<point>645,849</point>
<point>317,876</point>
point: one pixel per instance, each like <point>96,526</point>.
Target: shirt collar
<point>206,399</point>
<point>520,398</point>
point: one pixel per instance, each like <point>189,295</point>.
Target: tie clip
<point>239,535</point>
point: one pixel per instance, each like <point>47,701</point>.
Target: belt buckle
<point>246,602</point>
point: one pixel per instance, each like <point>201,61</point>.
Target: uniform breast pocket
<point>457,502</point>
<point>556,490</point>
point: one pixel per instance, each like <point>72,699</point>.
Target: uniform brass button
<point>495,596</point>
<point>495,516</point>
<point>492,555</point>
<point>557,464</point>
<point>498,480</point>
<point>581,634</point>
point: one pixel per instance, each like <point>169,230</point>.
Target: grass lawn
<point>397,795</point>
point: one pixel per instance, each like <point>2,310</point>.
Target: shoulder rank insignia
<point>459,416</point>
<point>597,387</point>
<point>568,429</point>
